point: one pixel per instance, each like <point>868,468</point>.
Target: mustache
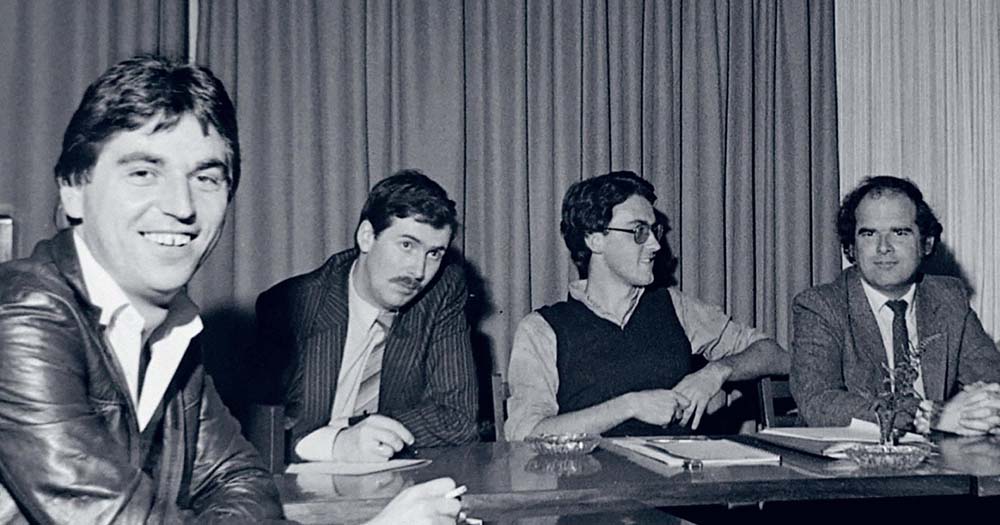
<point>406,281</point>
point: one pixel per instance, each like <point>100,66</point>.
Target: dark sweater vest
<point>598,361</point>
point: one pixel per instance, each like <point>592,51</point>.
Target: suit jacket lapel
<point>864,328</point>
<point>329,332</point>
<point>933,344</point>
<point>63,252</point>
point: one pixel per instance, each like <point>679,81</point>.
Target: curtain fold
<point>50,50</point>
<point>727,107</point>
<point>919,90</point>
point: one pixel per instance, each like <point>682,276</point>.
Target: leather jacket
<point>70,446</point>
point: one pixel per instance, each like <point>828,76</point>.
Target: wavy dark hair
<point>847,221</point>
<point>589,205</point>
<point>409,193</point>
<point>132,93</point>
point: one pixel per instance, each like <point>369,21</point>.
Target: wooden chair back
<point>777,407</point>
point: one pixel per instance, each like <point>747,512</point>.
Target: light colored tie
<point>367,400</point>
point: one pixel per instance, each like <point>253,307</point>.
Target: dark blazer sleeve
<point>817,376</point>
<point>978,356</point>
<point>275,373</point>
<point>227,482</point>
<point>447,413</point>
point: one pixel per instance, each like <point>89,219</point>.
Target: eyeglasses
<point>640,233</point>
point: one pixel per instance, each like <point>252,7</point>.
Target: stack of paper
<point>829,441</point>
<point>686,452</point>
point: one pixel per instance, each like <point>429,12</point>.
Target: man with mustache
<point>849,335</point>
<point>373,347</point>
<point>616,358</point>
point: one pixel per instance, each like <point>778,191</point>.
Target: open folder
<point>831,442</point>
<point>691,452</point>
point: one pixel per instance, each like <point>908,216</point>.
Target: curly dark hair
<point>589,205</point>
<point>132,93</point>
<point>409,193</point>
<point>847,221</point>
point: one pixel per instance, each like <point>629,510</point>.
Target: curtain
<point>729,109</point>
<point>919,97</point>
<point>50,50</point>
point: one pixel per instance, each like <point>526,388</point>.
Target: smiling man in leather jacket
<point>106,414</point>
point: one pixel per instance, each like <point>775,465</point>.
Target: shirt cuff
<point>318,444</point>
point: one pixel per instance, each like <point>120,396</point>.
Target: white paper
<point>859,431</point>
<point>343,468</point>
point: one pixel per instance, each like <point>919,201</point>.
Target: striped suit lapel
<point>326,342</point>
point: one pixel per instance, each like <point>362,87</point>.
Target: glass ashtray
<point>563,444</point>
<point>564,465</point>
<point>899,457</point>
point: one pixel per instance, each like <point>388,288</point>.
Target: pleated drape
<point>919,97</point>
<point>50,50</point>
<point>727,107</point>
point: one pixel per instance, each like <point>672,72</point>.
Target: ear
<point>928,246</point>
<point>365,236</point>
<point>595,241</point>
<point>72,200</point>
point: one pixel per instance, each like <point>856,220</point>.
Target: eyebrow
<point>421,243</point>
<point>140,156</point>
<point>149,158</point>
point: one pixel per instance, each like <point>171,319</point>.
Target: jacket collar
<point>931,334</point>
<point>864,327</point>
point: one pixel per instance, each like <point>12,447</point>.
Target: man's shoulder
<point>945,287</point>
<point>313,280</point>
<point>33,280</point>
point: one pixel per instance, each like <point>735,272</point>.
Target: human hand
<point>375,438</point>
<point>968,413</point>
<point>700,388</point>
<point>656,407</point>
<point>423,504</point>
<point>375,485</point>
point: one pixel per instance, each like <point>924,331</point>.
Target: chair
<point>501,391</point>
<point>777,407</point>
<point>6,238</point>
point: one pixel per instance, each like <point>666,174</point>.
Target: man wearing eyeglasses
<point>617,357</point>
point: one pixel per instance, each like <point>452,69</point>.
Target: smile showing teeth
<point>169,239</point>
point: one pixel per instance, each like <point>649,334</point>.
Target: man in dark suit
<point>851,335</point>
<point>373,347</point>
<point>106,413</point>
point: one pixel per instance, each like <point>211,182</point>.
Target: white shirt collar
<point>578,291</point>
<point>361,310</point>
<point>877,300</point>
<point>123,327</point>
<point>104,292</point>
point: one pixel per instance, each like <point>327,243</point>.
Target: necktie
<point>900,336</point>
<point>367,400</point>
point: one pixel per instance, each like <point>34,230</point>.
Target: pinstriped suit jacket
<point>837,350</point>
<point>428,378</point>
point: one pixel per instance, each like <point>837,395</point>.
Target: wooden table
<point>507,480</point>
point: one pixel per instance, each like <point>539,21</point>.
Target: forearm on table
<point>595,419</point>
<point>761,358</point>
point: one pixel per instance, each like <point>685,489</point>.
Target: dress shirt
<point>122,325</point>
<point>884,315</point>
<point>318,444</point>
<point>534,377</point>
